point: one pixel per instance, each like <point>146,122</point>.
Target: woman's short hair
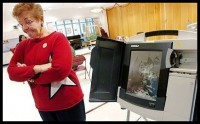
<point>35,9</point>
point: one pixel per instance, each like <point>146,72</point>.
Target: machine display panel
<point>143,76</point>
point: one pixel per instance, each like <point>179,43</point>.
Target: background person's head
<point>22,37</point>
<point>30,17</point>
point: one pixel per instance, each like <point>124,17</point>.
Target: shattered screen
<point>144,73</point>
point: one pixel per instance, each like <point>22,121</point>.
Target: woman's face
<point>30,25</point>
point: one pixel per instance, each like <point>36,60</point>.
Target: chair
<point>77,64</point>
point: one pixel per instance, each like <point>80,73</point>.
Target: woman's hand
<point>41,68</point>
<point>21,65</point>
<point>37,68</point>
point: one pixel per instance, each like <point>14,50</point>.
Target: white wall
<point>12,34</point>
<point>8,22</point>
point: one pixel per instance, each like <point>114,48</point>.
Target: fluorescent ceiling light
<point>96,10</point>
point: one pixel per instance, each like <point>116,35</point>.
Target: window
<point>82,20</point>
<point>69,30</point>
<point>74,27</point>
<point>60,22</point>
<point>51,26</point>
<point>91,27</point>
<point>88,19</point>
<point>67,21</point>
<point>83,28</point>
<point>61,28</point>
<point>75,21</point>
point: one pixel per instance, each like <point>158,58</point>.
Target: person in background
<point>103,33</point>
<point>45,62</point>
<point>21,38</point>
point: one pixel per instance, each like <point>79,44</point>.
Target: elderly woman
<point>45,62</point>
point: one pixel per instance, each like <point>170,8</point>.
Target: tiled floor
<point>18,104</point>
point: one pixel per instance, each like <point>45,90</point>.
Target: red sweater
<point>49,92</point>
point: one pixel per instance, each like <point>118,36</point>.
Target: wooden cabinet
<point>129,19</point>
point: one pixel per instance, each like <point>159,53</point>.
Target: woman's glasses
<point>27,22</point>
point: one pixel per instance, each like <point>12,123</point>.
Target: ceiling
<point>57,11</point>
